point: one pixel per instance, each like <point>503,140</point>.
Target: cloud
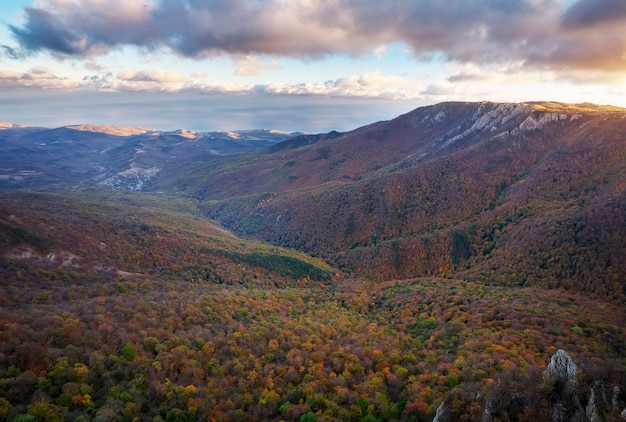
<point>158,75</point>
<point>98,82</point>
<point>588,35</point>
<point>11,52</point>
<point>44,32</point>
<point>7,75</point>
<point>594,13</point>
<point>371,80</point>
<point>92,64</point>
<point>82,28</point>
<point>509,74</point>
<point>252,66</point>
<point>369,85</point>
<point>37,77</point>
<point>372,84</point>
<point>40,72</point>
<point>147,81</point>
<point>540,33</point>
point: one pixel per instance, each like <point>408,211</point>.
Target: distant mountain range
<point>504,193</point>
<point>120,157</point>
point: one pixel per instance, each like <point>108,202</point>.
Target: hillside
<point>109,237</point>
<point>515,194</point>
<point>124,306</point>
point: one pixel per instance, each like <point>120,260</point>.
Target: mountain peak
<point>185,133</point>
<point>7,125</point>
<point>109,130</point>
<point>559,107</point>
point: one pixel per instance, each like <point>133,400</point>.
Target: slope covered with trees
<point>126,236</point>
<point>515,194</point>
<point>119,307</point>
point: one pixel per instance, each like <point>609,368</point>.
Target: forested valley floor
<point>132,307</point>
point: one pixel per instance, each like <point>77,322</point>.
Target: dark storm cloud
<point>535,32</point>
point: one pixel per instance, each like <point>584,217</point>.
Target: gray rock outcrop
<point>562,369</point>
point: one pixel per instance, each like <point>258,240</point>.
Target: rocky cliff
<point>563,392</point>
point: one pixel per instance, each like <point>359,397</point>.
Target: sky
<point>298,65</point>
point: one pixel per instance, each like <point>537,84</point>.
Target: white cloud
<point>374,80</point>
<point>156,75</point>
<point>40,72</point>
<point>373,84</point>
<point>8,75</point>
<point>37,77</point>
<point>249,65</point>
<point>94,65</point>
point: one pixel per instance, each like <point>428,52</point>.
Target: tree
<point>308,417</point>
<point>129,351</point>
<point>44,411</point>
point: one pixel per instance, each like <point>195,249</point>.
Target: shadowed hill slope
<point>106,237</point>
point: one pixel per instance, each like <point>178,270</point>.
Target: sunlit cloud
<point>199,75</point>
<point>249,65</point>
<point>510,74</point>
<point>374,83</point>
<point>38,77</point>
<point>540,33</point>
<point>158,75</point>
<point>371,84</point>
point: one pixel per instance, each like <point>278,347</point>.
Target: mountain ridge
<point>109,129</point>
<point>441,188</point>
<point>401,148</point>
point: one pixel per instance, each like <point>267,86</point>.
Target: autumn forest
<point>316,281</point>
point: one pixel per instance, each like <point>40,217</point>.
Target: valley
<point>425,267</point>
